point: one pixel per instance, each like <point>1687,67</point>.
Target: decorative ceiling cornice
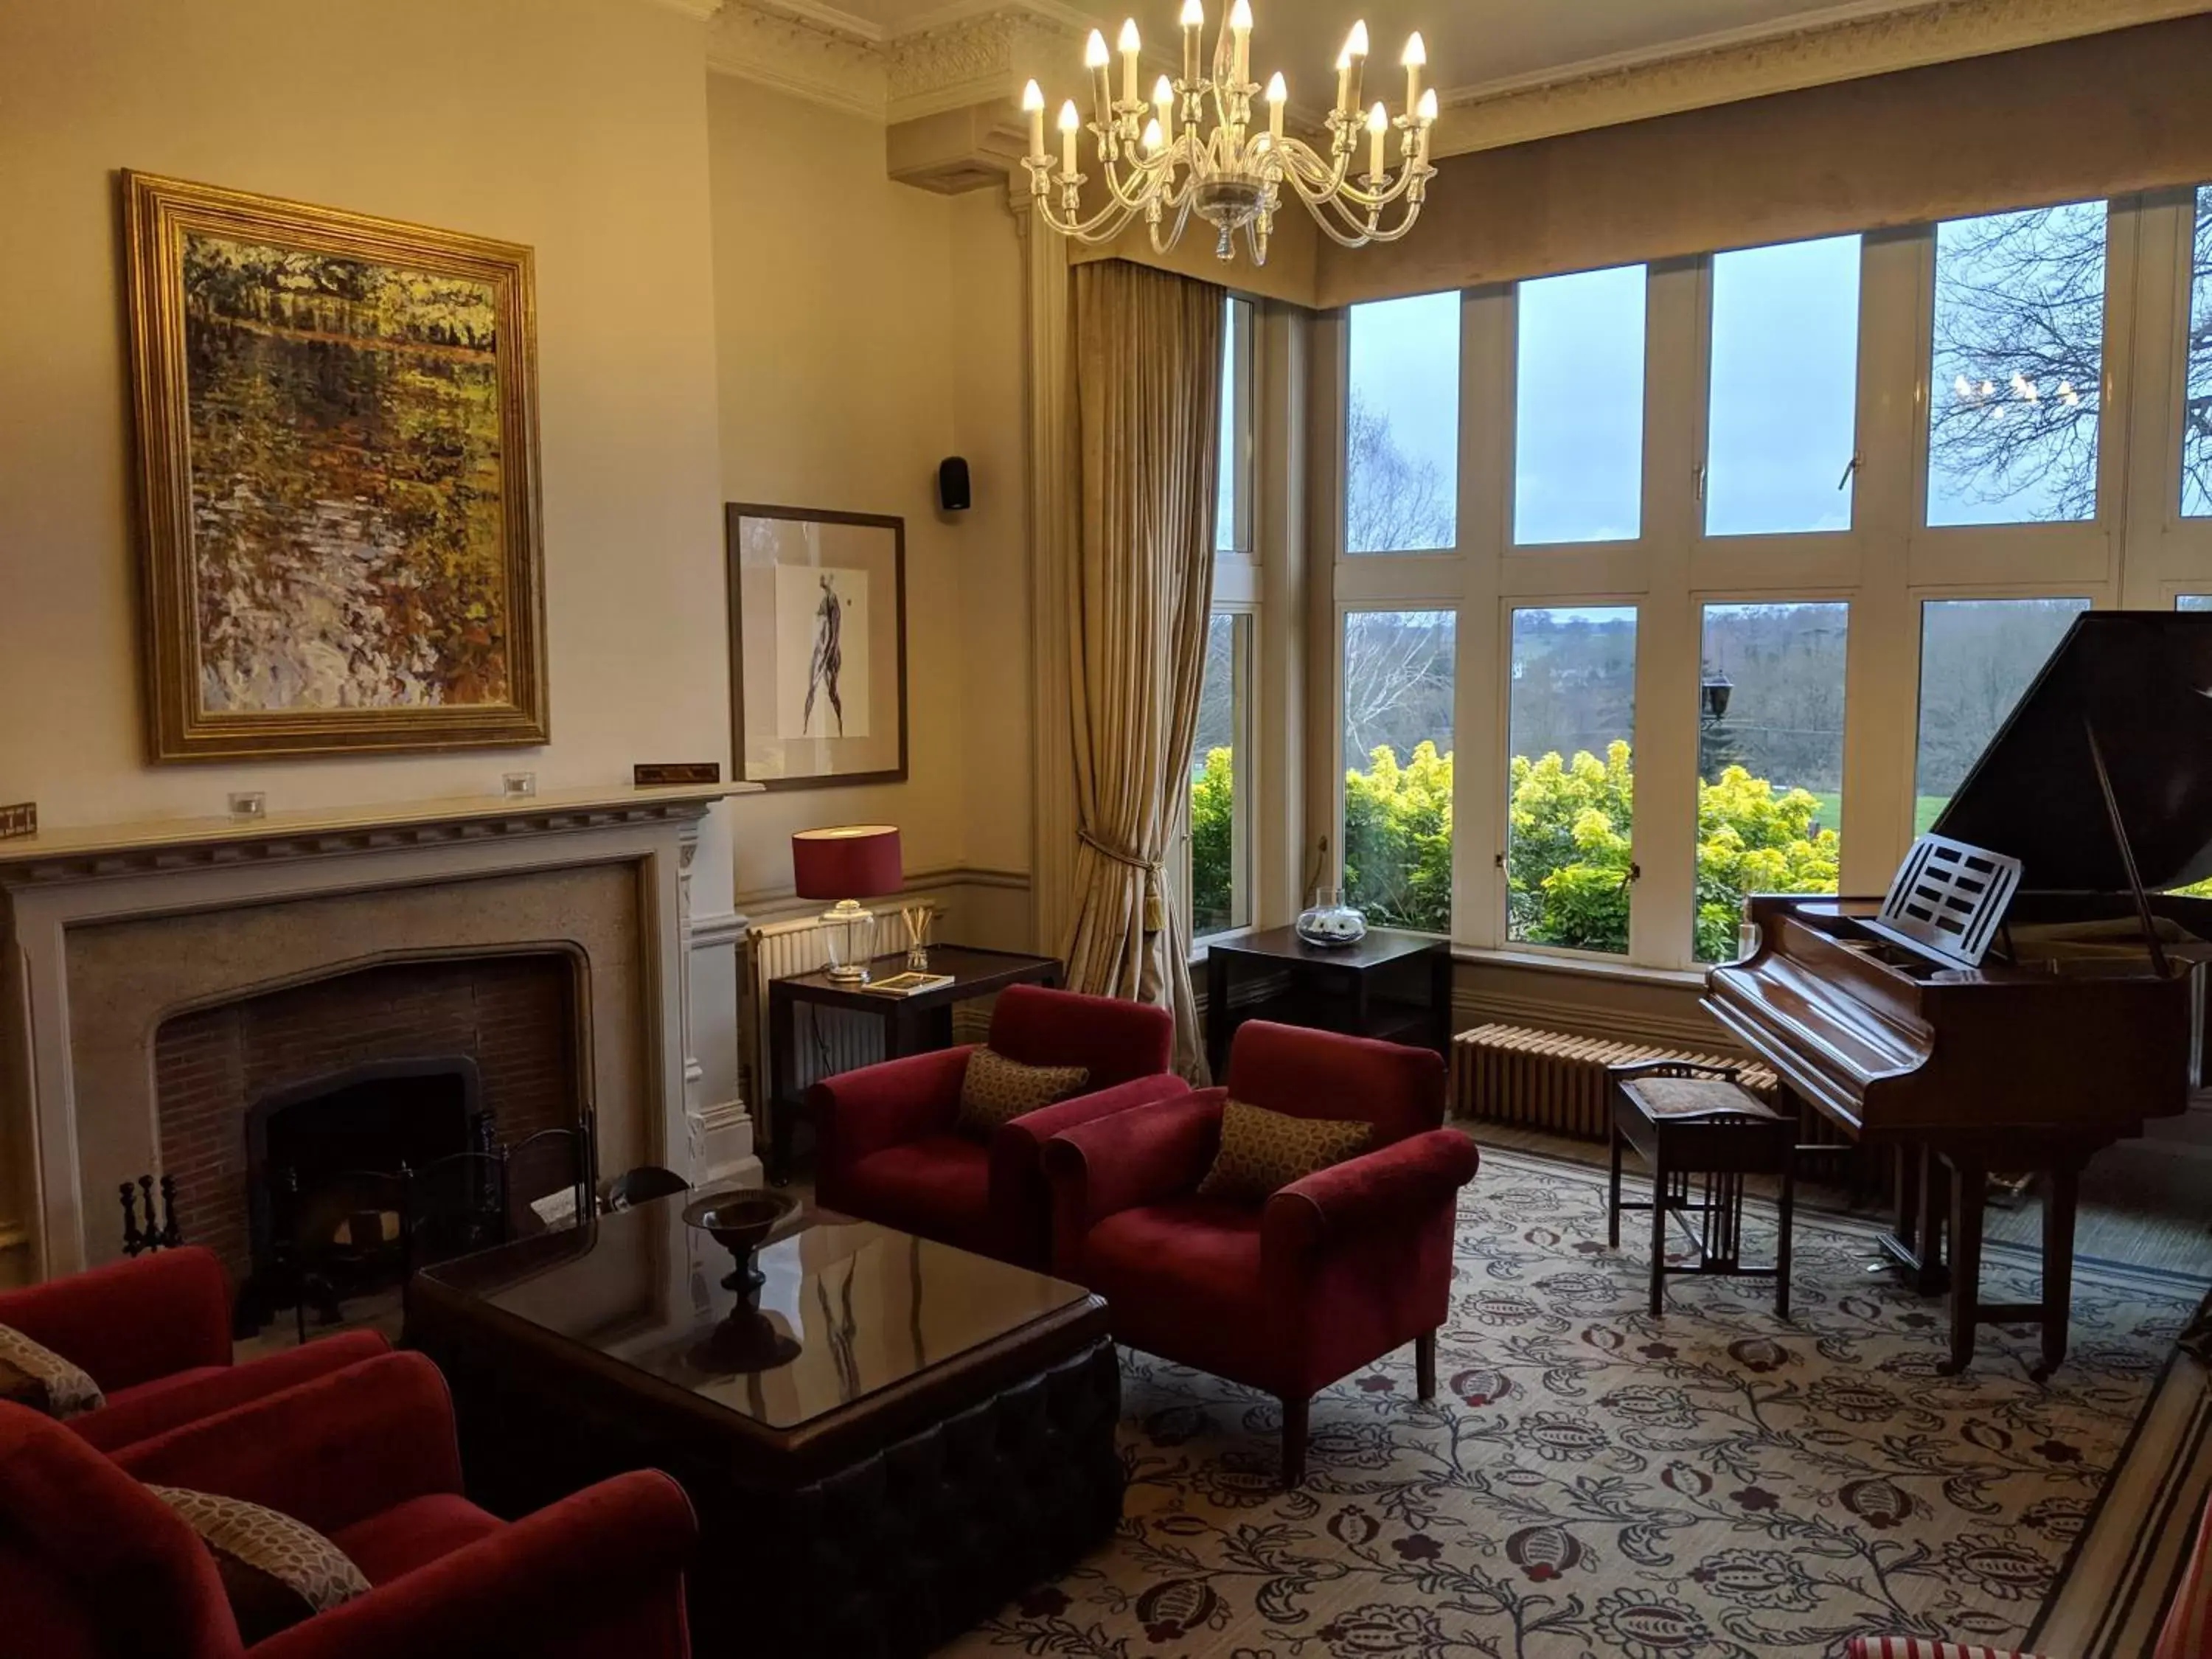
<point>972,52</point>
<point>1844,43</point>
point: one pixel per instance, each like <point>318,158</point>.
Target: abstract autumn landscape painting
<point>349,494</point>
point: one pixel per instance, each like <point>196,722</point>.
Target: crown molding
<point>699,11</point>
<point>810,52</point>
<point>1840,43</point>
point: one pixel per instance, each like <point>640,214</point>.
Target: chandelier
<point>1193,147</point>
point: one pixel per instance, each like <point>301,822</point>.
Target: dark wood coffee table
<point>942,1441</point>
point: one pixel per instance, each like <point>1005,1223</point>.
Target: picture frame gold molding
<point>157,212</point>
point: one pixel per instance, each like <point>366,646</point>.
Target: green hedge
<point>1570,851</point>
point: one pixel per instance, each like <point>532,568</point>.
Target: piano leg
<point>2060,1199</point>
<point>1969,1189</point>
<point>1916,1241</point>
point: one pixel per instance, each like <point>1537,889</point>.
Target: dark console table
<point>1390,985</point>
<point>912,1025</point>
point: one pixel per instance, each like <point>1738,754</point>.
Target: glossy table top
<point>870,1308</point>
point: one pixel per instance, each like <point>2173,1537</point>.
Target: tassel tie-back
<point>1156,912</point>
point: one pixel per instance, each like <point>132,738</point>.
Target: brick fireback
<point>515,1016</point>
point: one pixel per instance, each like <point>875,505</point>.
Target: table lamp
<point>837,863</point>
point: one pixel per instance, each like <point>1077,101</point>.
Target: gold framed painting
<point>337,443</point>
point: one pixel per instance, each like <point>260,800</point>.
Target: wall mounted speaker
<point>953,484</point>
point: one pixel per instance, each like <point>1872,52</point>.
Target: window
<point>2196,398</point>
<point>1218,830</point>
<point>1770,759</point>
<point>2193,602</point>
<point>2015,386</point>
<point>1571,718</point>
<point>1398,688</point>
<point>1976,656</point>
<point>1401,426</point>
<point>1232,515</point>
<point>1782,414</point>
<point>1578,408</point>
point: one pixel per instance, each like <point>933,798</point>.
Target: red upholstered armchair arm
<point>131,1321</point>
<point>156,1411</point>
<point>882,1106</point>
<point>1397,1186</point>
<point>1141,1156</point>
<point>330,1452</point>
<point>607,1563</point>
<point>1027,1134</point>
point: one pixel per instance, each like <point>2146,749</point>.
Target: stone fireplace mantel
<point>112,931</point>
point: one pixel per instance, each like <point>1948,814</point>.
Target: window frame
<point>1244,623</point>
<point>2084,551</point>
<point>1238,398</point>
<point>1501,885</point>
<point>2138,550</point>
<point>1344,612</point>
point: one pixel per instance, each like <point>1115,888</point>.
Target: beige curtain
<point>1147,372</point>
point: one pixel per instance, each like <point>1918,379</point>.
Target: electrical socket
<point>20,820</point>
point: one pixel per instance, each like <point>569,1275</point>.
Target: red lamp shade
<point>851,860</point>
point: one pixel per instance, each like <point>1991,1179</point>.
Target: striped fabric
<point>1911,1647</point>
<point>2188,1632</point>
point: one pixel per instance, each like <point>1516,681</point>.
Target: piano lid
<point>2143,680</point>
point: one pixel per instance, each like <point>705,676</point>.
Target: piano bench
<point>1692,1118</point>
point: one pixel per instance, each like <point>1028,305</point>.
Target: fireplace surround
<point>125,942</point>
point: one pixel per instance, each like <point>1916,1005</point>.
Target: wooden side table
<point>1390,985</point>
<point>911,1025</point>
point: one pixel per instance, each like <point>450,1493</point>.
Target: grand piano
<point>2080,1016</point>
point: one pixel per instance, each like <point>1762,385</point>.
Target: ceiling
<point>1472,44</point>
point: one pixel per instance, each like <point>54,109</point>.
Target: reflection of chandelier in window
<point>1193,149</point>
<point>2021,392</point>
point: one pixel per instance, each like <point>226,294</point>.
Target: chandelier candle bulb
<point>1355,48</point>
<point>1378,123</point>
<point>1277,92</point>
<point>1240,31</point>
<point>1164,102</point>
<point>1416,55</point>
<point>1131,46</point>
<point>1070,120</point>
<point>1033,104</point>
<point>1193,23</point>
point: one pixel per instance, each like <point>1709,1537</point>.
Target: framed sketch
<point>338,442</point>
<point>817,646</point>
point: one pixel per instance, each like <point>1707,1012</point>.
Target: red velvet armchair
<point>94,1567</point>
<point>891,1152</point>
<point>155,1334</point>
<point>1328,1275</point>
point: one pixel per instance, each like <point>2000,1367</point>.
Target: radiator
<point>824,1040</point>
<point>1552,1081</point>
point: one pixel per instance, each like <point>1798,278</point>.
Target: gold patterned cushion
<point>40,1378</point>
<point>1264,1152</point>
<point>997,1089</point>
<point>277,1571</point>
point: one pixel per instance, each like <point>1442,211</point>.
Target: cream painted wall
<point>860,344</point>
<point>576,126</point>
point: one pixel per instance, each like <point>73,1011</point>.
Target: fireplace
<point>329,1166</point>
<point>127,953</point>
<point>316,1116</point>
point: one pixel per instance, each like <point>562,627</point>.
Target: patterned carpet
<point>1591,1481</point>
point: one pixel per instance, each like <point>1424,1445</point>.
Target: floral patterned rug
<point>1590,1481</point>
